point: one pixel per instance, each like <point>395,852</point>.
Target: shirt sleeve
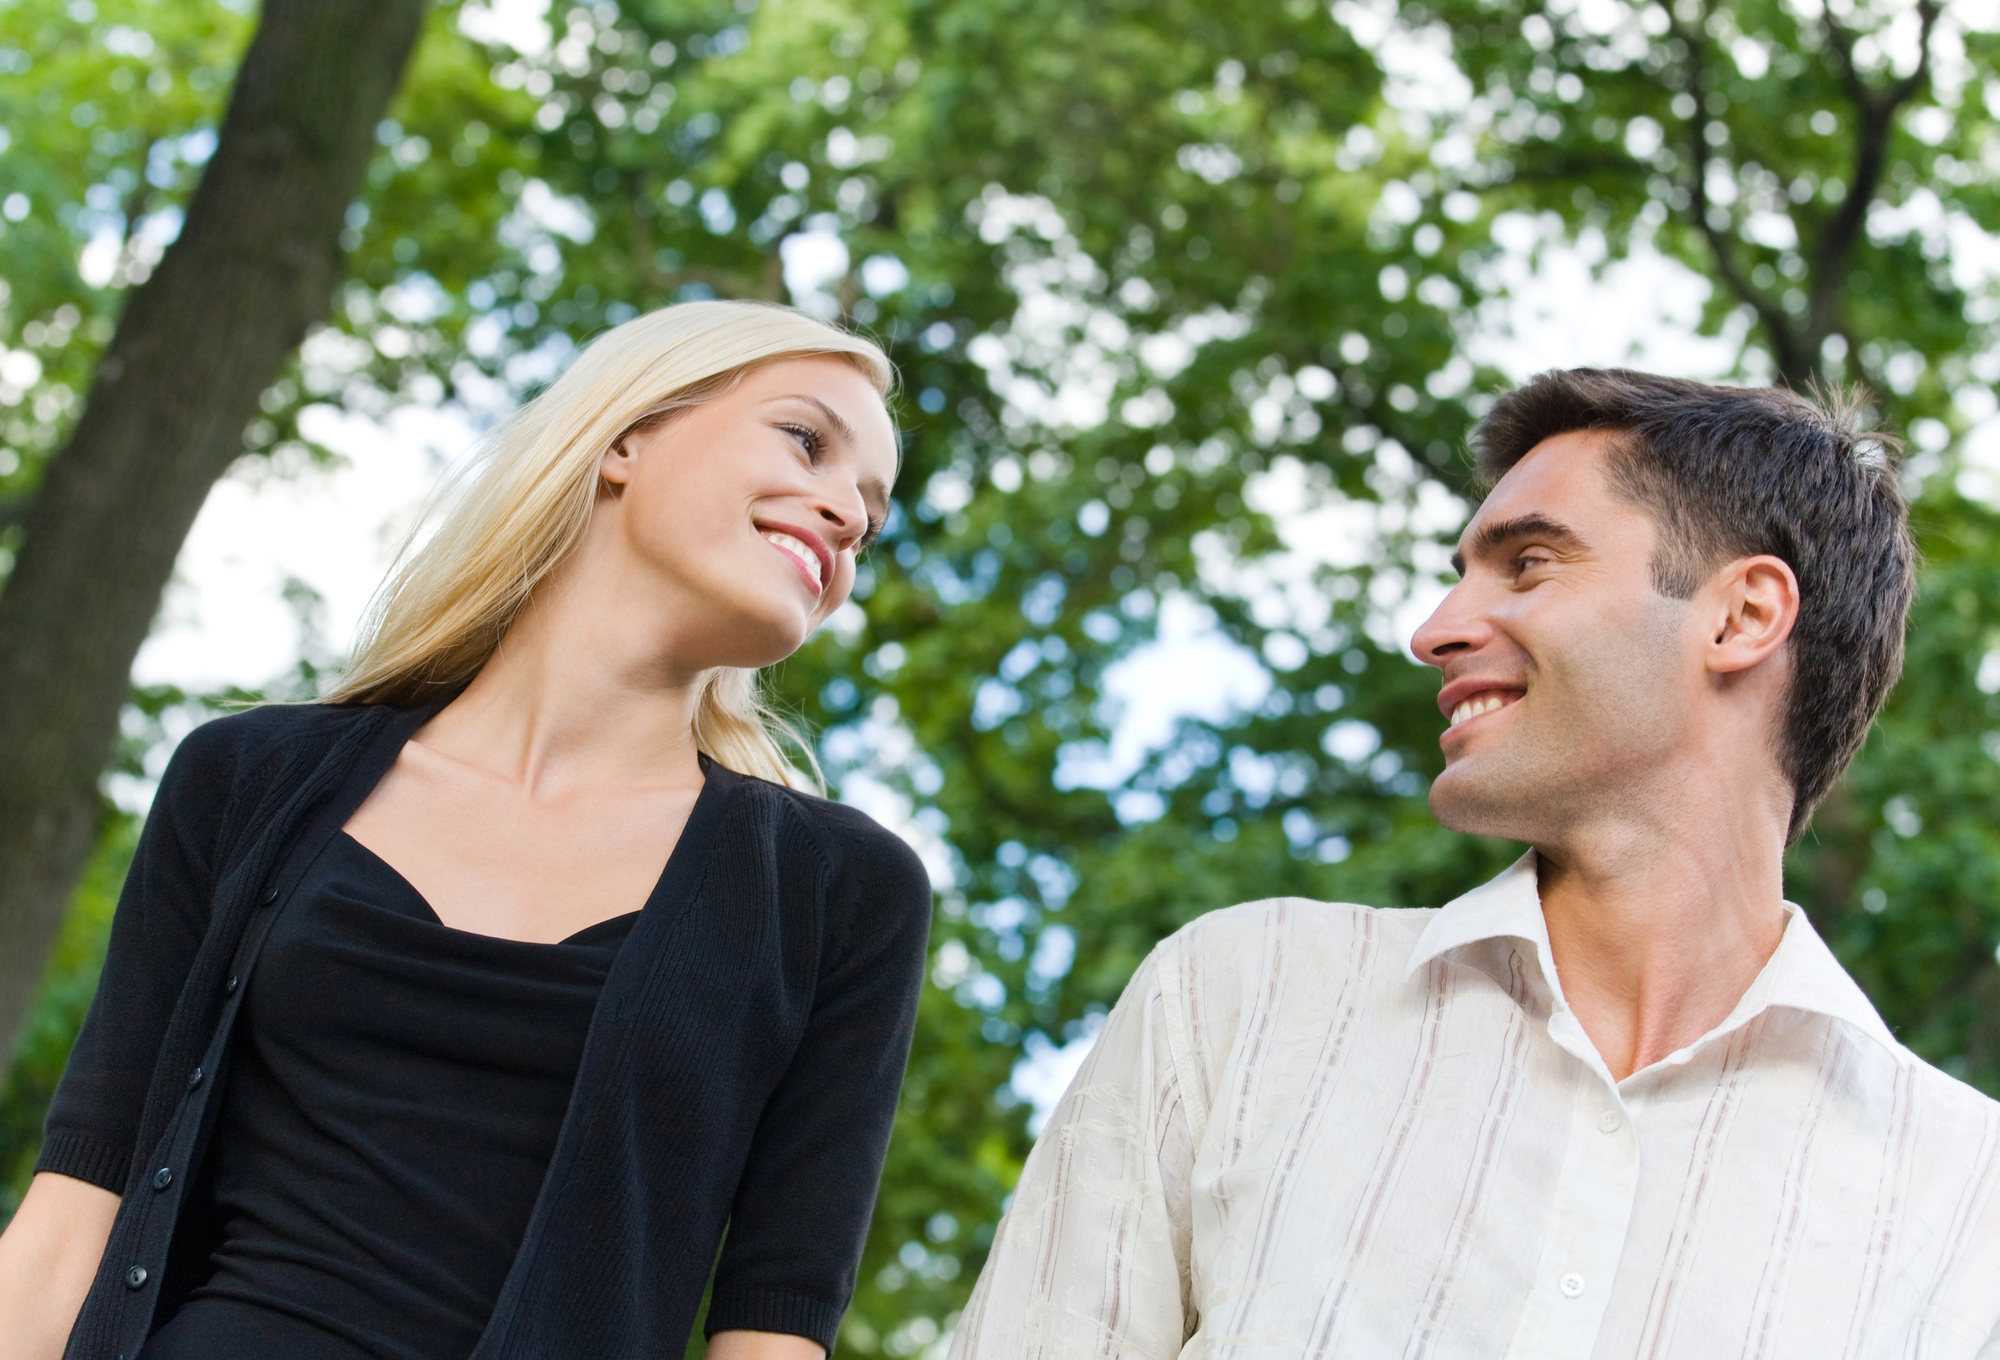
<point>802,1206</point>
<point>1092,1256</point>
<point>162,915</point>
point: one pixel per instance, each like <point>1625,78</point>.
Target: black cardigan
<point>741,1070</point>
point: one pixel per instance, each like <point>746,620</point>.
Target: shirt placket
<point>1590,1212</point>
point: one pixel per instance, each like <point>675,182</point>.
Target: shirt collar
<point>1802,972</point>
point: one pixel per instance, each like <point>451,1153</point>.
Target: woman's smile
<point>806,551</point>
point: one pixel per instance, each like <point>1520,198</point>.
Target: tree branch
<point>1876,115</point>
<point>1777,323</point>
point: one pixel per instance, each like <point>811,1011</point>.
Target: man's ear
<point>1755,604</point>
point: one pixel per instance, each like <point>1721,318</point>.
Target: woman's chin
<point>763,640</point>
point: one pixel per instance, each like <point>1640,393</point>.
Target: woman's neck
<point>571,696</point>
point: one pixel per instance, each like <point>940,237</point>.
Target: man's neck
<point>1657,937</point>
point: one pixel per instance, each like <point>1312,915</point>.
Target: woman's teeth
<point>807,558</point>
<point>1476,705</point>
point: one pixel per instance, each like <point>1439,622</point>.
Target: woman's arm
<point>49,1255</point>
<point>762,1346</point>
<point>803,1199</point>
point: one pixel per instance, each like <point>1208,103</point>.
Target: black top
<point>395,1091</point>
<point>741,1068</point>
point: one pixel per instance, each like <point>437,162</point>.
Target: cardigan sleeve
<point>802,1205</point>
<point>162,914</point>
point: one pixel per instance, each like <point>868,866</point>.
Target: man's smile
<point>1484,702</point>
<point>1474,696</point>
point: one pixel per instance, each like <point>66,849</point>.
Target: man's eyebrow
<point>841,429</point>
<point>1492,537</point>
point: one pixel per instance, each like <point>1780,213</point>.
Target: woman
<point>406,1045</point>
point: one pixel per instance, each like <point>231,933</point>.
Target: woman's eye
<point>809,439</point>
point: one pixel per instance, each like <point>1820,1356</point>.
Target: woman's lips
<point>802,555</point>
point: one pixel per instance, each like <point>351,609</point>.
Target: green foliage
<point>104,128</point>
<point>1815,162</point>
<point>1902,871</point>
<point>1150,272</point>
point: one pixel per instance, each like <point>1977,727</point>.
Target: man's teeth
<point>1478,704</point>
<point>806,556</point>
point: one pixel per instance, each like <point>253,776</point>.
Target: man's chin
<point>1462,801</point>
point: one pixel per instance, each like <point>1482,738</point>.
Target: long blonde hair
<point>523,502</point>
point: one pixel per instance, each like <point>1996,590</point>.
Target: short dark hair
<point>1732,472</point>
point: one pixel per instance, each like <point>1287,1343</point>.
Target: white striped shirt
<point>1321,1130</point>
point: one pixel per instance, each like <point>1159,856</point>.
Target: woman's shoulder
<point>851,843</point>
<point>249,735</point>
<point>245,748</point>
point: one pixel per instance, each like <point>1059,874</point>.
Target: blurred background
<point>1194,303</point>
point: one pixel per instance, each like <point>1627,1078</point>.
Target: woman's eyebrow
<point>842,431</point>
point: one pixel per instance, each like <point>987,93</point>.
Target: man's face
<point>1567,675</point>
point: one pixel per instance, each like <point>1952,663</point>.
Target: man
<point>1621,1101</point>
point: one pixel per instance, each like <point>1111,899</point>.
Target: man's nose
<point>1452,627</point>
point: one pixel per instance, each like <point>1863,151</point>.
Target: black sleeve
<point>800,1216</point>
<point>162,915</point>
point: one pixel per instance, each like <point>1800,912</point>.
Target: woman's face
<point>743,515</point>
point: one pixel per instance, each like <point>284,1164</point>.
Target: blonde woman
<point>407,1044</point>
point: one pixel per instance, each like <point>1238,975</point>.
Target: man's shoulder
<point>1301,922</point>
<point>1230,983</point>
<point>1249,954</point>
<point>1948,1100</point>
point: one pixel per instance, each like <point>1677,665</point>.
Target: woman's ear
<point>616,467</point>
<point>1757,604</point>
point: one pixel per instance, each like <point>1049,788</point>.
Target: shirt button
<point>135,1278</point>
<point>194,1078</point>
<point>229,987</point>
<point>1609,1121</point>
<point>163,1178</point>
<point>270,896</point>
<point>1571,1285</point>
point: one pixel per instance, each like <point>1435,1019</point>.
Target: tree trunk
<point>255,265</point>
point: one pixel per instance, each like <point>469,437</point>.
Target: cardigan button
<point>229,987</point>
<point>194,1078</point>
<point>163,1178</point>
<point>135,1278</point>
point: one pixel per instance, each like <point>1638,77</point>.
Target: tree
<point>1158,276</point>
<point>196,345</point>
<point>1830,169</point>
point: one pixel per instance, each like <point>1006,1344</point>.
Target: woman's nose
<point>846,516</point>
